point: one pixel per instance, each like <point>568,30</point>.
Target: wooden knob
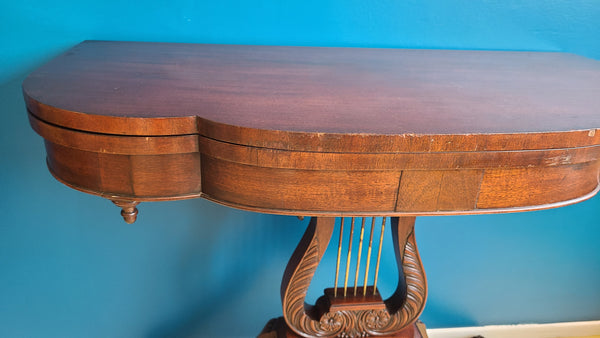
<point>128,210</point>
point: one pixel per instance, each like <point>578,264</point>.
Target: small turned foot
<point>128,210</point>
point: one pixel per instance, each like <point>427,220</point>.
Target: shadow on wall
<point>185,268</point>
<point>238,255</point>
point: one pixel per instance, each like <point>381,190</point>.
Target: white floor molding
<point>572,329</point>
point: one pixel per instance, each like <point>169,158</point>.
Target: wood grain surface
<point>321,131</point>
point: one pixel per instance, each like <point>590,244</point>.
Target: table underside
<point>326,185</point>
<point>319,183</point>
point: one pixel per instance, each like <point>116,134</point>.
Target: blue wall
<point>69,267</point>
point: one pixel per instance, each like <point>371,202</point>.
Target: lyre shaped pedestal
<point>353,316</point>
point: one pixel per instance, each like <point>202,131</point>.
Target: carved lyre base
<point>355,311</point>
<point>277,328</point>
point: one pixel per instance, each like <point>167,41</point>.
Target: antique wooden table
<point>325,132</point>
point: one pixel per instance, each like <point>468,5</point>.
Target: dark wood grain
<point>525,186</point>
<point>284,129</point>
<point>320,97</point>
<point>276,328</point>
<point>438,190</point>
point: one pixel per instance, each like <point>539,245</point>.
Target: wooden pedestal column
<point>352,311</point>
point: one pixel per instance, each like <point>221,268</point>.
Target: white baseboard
<point>554,330</point>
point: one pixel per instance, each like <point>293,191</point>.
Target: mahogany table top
<point>261,95</point>
<point>313,131</point>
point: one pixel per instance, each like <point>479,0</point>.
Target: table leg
<point>357,313</point>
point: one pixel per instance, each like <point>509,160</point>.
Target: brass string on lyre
<point>339,254</point>
<point>369,256</point>
<point>359,257</point>
<point>360,245</point>
<point>379,255</point>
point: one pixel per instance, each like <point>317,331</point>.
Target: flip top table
<point>373,137</point>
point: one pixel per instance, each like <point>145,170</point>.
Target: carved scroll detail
<point>416,285</point>
<point>402,309</point>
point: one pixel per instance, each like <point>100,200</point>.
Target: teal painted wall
<point>69,267</point>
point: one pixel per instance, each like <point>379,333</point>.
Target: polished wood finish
<point>353,316</point>
<point>276,328</point>
<point>287,92</point>
<point>368,299</point>
<point>323,132</point>
<point>128,210</point>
